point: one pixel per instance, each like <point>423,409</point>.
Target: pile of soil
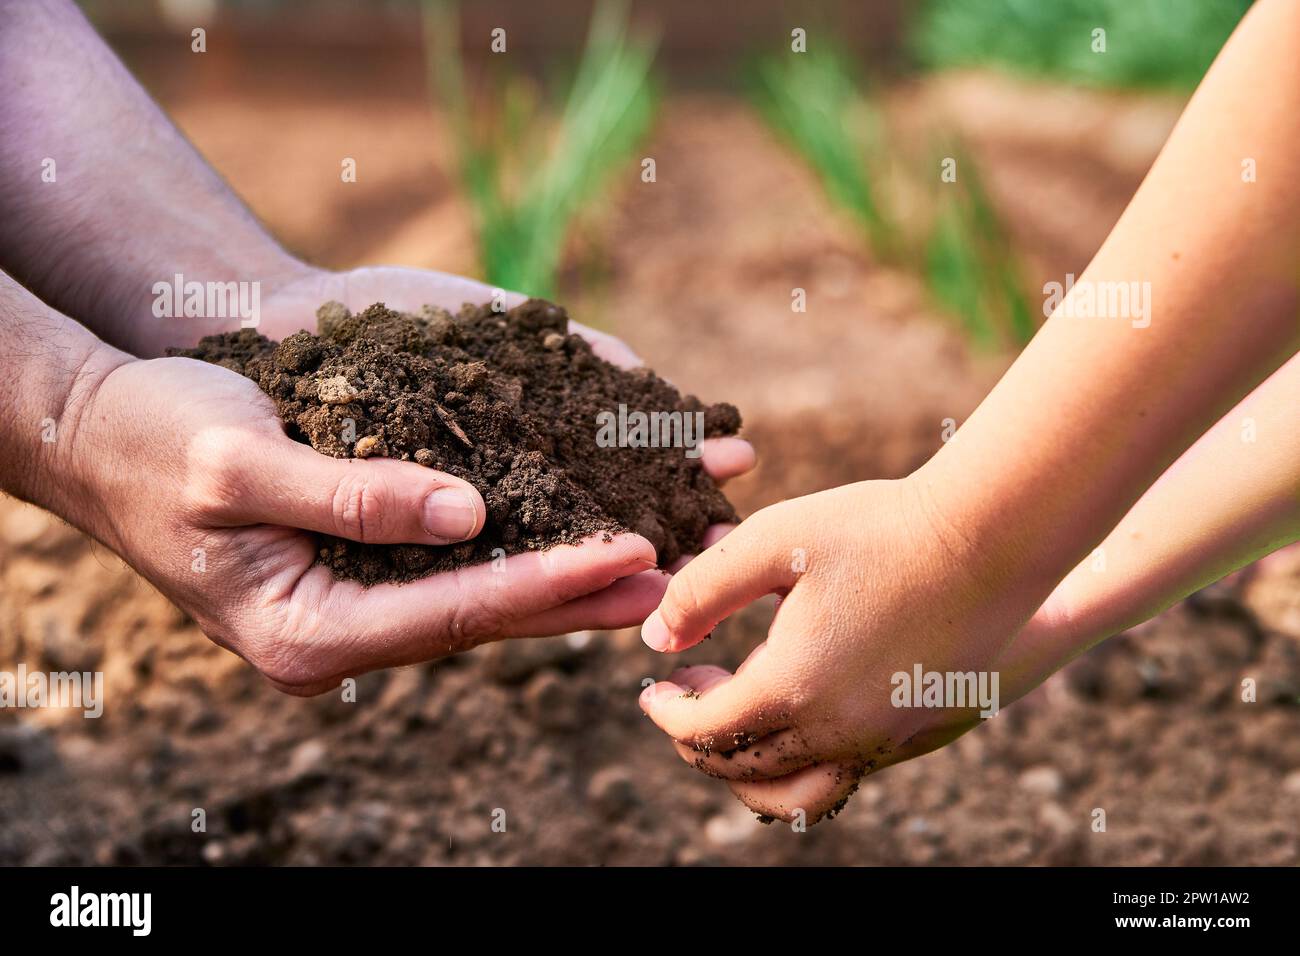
<point>510,402</point>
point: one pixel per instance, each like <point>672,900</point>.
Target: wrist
<point>1049,640</point>
<point>54,372</point>
<point>176,305</point>
<point>1008,574</point>
<point>81,480</point>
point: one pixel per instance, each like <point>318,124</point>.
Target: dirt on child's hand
<point>874,584</point>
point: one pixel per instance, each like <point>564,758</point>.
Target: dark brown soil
<point>510,402</point>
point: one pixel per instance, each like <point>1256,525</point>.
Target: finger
<point>411,289</point>
<point>360,629</point>
<point>774,755</point>
<point>715,533</point>
<point>768,758</point>
<point>376,501</point>
<point>726,458</point>
<point>809,795</point>
<point>726,714</point>
<point>738,570</point>
<point>624,603</point>
<point>712,535</point>
<point>612,349</point>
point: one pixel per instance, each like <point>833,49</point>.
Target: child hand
<point>874,582</point>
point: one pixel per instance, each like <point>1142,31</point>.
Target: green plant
<point>813,100</point>
<point>527,175</point>
<point>1149,43</point>
<point>970,266</point>
<point>816,103</point>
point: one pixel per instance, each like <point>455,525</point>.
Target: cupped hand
<point>185,470</point>
<point>873,582</point>
<point>293,303</point>
<point>189,476</point>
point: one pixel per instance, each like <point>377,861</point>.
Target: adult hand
<point>293,302</point>
<point>184,469</point>
<point>225,530</point>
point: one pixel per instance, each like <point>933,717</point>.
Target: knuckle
<point>710,767</point>
<point>358,513</point>
<point>683,606</point>
<point>798,703</point>
<point>471,622</point>
<point>707,740</point>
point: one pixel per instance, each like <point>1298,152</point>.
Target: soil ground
<point>1149,728</point>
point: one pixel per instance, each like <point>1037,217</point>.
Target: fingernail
<point>450,513</point>
<point>655,633</point>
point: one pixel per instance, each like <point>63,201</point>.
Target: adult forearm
<point>1099,405</point>
<point>101,197</point>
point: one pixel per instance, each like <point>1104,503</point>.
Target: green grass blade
<point>529,178</point>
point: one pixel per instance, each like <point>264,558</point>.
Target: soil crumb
<point>561,444</point>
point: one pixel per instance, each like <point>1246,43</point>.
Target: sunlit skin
<point>183,468</point>
<point>980,560</point>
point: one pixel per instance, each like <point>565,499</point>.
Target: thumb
<point>375,501</point>
<point>747,564</point>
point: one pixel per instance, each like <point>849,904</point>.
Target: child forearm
<point>1233,497</point>
<point>1096,408</point>
<point>938,573</point>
